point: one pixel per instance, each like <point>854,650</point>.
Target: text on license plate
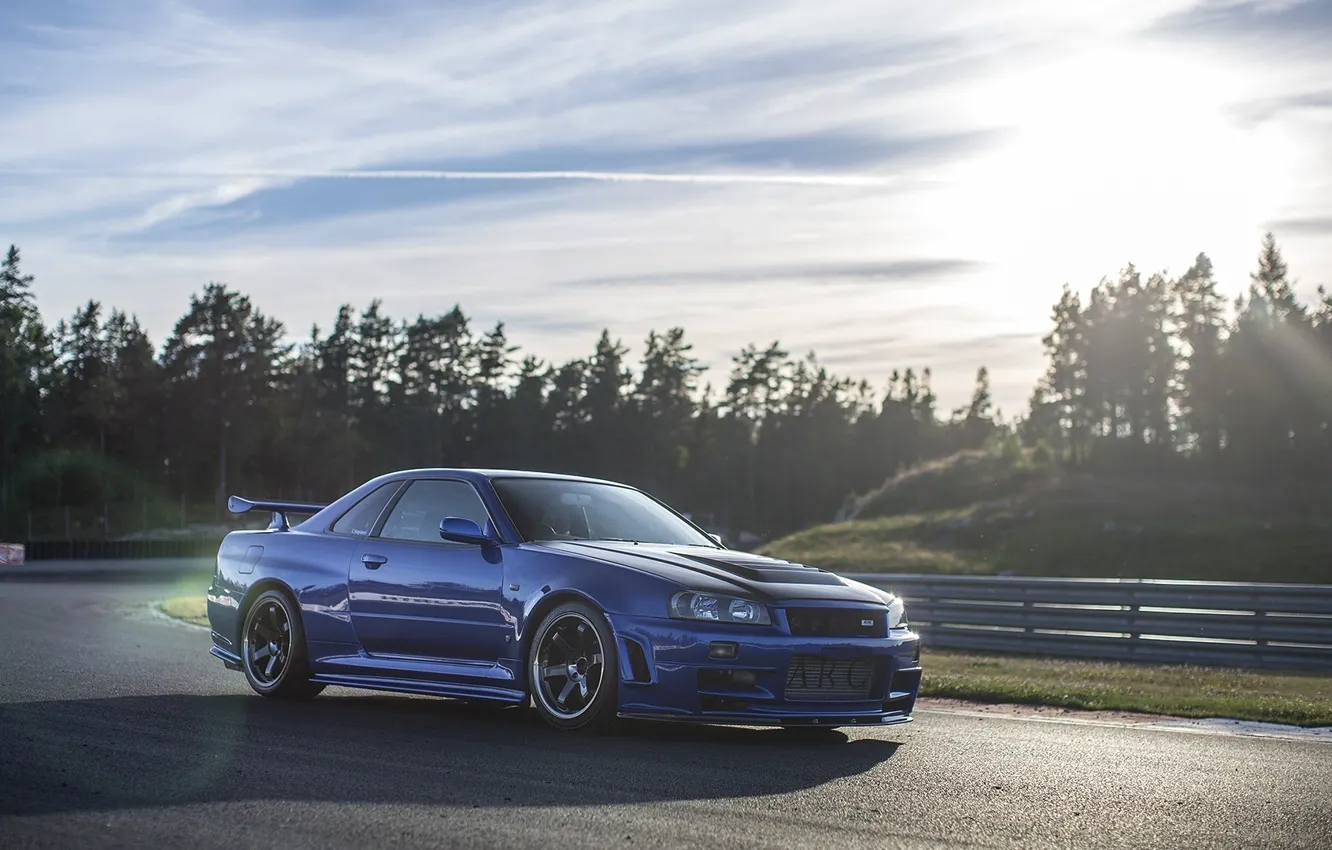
<point>818,678</point>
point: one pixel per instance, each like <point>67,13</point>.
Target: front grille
<point>812,677</point>
<point>837,622</point>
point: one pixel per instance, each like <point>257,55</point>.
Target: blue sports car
<point>590,599</point>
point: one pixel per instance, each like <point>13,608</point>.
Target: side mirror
<point>459,530</point>
<point>717,538</point>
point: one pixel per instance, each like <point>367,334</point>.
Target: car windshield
<point>552,509</point>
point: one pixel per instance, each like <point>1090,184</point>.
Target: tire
<point>574,669</point>
<point>273,652</point>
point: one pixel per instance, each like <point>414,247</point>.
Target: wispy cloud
<point>258,176</point>
<point>237,187</point>
<point>1314,225</point>
<point>900,271</point>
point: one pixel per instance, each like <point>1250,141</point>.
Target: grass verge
<point>982,513</point>
<point>1068,541</point>
<point>1179,691</point>
<point>191,609</point>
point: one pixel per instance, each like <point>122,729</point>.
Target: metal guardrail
<point>1239,624</point>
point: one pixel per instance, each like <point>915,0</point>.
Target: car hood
<point>725,571</point>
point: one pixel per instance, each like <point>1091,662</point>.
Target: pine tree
<point>664,407</point>
<point>491,427</point>
<point>1064,389</point>
<point>605,400</point>
<point>26,357</point>
<point>375,352</point>
<point>532,435</point>
<point>977,419</point>
<point>224,362</point>
<point>752,393</point>
<point>1201,330</point>
<point>134,433</point>
<point>1157,397</point>
<point>332,369</point>
<point>1320,382</point>
<point>334,356</point>
<point>1129,362</point>
<point>565,408</point>
<point>87,388</point>
<point>1271,283</point>
<point>1273,423</point>
<point>437,365</point>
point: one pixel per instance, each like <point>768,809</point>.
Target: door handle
<point>373,562</point>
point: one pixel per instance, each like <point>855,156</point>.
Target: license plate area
<point>815,678</point>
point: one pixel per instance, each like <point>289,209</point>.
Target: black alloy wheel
<point>273,649</point>
<point>573,669</point>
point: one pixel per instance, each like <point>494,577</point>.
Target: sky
<point>886,183</point>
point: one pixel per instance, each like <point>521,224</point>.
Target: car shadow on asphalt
<point>134,751</point>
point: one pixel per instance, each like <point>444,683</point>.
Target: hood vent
<point>766,570</point>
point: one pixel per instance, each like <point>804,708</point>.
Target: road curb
<point>1195,726</point>
<point>156,609</point>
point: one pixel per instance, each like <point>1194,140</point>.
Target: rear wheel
<point>273,649</point>
<point>574,670</point>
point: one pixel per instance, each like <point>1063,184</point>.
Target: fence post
<point>1027,605</point>
<point>1260,632</point>
<point>1134,611</point>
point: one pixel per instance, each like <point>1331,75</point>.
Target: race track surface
<point>117,729</point>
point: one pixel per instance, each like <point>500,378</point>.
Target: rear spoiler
<point>237,505</point>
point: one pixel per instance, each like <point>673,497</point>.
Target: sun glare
<point>1118,155</point>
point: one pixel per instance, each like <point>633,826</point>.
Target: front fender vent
<point>638,665</point>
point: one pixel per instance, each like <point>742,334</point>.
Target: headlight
<point>896,613</point>
<point>690,605</point>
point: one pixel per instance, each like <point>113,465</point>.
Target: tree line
<point>1156,371</point>
<point>1152,373</point>
<point>96,413</point>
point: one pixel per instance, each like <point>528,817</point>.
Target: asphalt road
<point>117,729</point>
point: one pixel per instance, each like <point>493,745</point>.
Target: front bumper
<point>667,673</point>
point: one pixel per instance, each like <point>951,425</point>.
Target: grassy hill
<point>989,513</point>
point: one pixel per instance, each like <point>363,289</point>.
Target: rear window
<point>360,518</point>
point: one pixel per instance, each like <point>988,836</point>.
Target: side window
<point>360,519</point>
<point>425,504</point>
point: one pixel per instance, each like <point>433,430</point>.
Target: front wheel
<point>273,649</point>
<point>574,670</point>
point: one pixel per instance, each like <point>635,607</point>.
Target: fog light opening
<point>723,649</point>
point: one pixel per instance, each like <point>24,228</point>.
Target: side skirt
<point>770,722</point>
<point>398,685</point>
<point>416,686</point>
